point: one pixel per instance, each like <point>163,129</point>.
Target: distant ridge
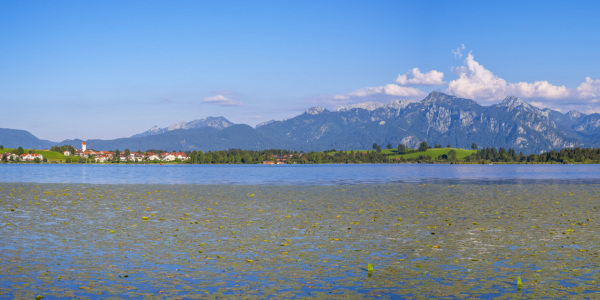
<point>214,122</point>
<point>14,138</point>
<point>437,119</point>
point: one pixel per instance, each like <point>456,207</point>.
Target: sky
<point>111,69</point>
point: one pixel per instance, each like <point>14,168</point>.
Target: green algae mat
<point>397,241</point>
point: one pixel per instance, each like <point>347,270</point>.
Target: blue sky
<point>109,69</point>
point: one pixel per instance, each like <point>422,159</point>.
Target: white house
<point>102,158</point>
<point>153,157</point>
<point>167,156</point>
<point>31,157</point>
<point>67,153</point>
<point>180,155</point>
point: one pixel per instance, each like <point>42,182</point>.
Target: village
<point>106,156</point>
<point>98,156</point>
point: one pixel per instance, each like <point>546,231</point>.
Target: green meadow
<point>432,152</point>
<point>51,156</point>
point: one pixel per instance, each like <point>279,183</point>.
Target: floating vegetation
<point>247,242</point>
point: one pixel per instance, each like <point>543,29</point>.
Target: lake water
<point>298,174</point>
<point>298,231</point>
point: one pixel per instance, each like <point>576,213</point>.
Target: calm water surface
<point>297,174</point>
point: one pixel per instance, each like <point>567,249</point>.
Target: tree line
<point>484,155</point>
<point>568,155</point>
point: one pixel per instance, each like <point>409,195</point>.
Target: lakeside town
<point>99,156</point>
<point>105,156</point>
<point>424,154</point>
<point>71,154</point>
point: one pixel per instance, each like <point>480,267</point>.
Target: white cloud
<point>383,93</point>
<point>415,77</point>
<point>388,89</point>
<point>478,83</point>
<point>589,89</point>
<point>458,52</point>
<point>538,89</point>
<point>221,100</point>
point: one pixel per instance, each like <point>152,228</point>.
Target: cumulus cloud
<point>538,89</point>
<point>388,90</point>
<point>478,83</point>
<point>590,88</point>
<point>221,100</point>
<point>415,77</point>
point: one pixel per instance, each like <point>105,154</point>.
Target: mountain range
<point>437,119</point>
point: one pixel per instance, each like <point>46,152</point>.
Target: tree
<point>36,160</point>
<point>116,157</point>
<point>20,151</point>
<point>423,146</point>
<point>474,146</point>
<point>1,147</point>
<point>452,154</point>
<point>401,149</point>
<point>127,152</point>
<point>389,146</point>
<point>375,146</point>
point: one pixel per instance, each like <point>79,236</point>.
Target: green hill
<point>433,153</point>
<point>51,156</point>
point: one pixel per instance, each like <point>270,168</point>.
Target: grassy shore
<point>248,242</point>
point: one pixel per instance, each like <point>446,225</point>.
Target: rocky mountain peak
<point>437,97</point>
<point>573,114</point>
<point>371,106</point>
<point>514,102</point>
<point>214,122</point>
<point>265,123</point>
<point>315,110</point>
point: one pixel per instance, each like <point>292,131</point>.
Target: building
<point>180,155</point>
<point>83,147</point>
<point>102,158</point>
<point>152,156</point>
<point>31,157</point>
<point>167,156</point>
<point>9,156</point>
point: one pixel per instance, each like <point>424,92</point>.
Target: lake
<point>297,174</point>
<point>299,231</point>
